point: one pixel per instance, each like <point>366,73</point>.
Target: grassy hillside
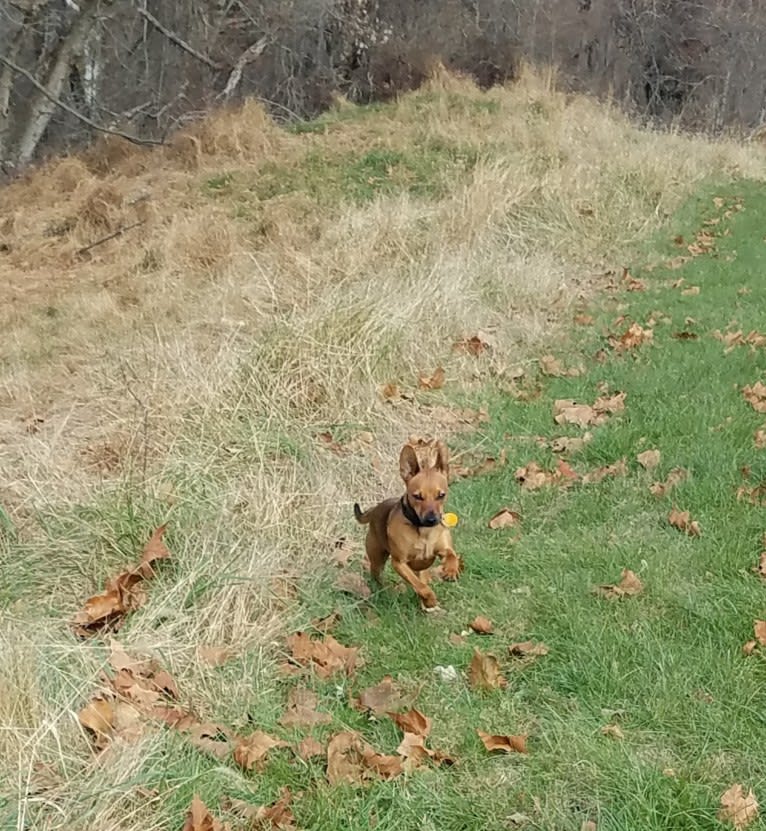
<point>221,367</point>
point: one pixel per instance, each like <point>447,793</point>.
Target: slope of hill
<point>203,334</point>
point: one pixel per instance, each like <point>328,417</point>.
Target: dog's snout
<point>430,518</point>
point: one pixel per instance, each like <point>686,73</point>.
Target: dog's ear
<point>408,462</point>
<point>441,459</point>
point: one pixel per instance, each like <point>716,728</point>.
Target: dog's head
<point>427,485</point>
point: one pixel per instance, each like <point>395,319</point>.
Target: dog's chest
<point>424,548</point>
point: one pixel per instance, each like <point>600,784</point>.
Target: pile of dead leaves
<point>629,586</point>
<point>532,477</point>
<point>634,336</point>
<point>122,594</point>
<point>566,411</point>
<point>325,657</point>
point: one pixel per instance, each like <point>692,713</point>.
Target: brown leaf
<point>691,290</point>
<point>474,345</point>
<point>504,744</point>
<point>566,444</point>
<point>99,610</point>
<point>327,623</point>
<point>353,761</point>
<point>755,495</point>
<point>390,391</point>
<point>481,625</point>
<point>614,731</point>
<point>154,550</point>
<point>760,438</point>
<point>484,672</point>
<point>326,657</point>
<point>532,477</point>
<point>552,366</point>
<point>749,647</point>
<point>213,739</point>
<point>631,283</point>
<point>675,477</point>
<point>629,586</point>
<point>601,473</point>
<point>301,710</point>
<point>251,752</point>
<point>413,748</point>
<point>567,411</point>
<point>380,698</point>
<point>583,320</point>
<point>199,818</point>
<point>755,395</point>
<point>278,814</point>
<point>310,747</point>
<point>634,336</point>
<point>434,382</point>
<point>525,649</point>
<point>413,721</point>
<point>215,656</point>
<point>98,716</point>
<point>737,808</point>
<point>649,459</point>
<point>682,520</point>
<point>505,518</point>
<point>759,628</point>
<point>351,583</point>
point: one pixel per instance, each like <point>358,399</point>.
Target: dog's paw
<point>432,610</point>
<point>451,567</point>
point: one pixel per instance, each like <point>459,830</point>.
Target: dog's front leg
<point>452,565</point>
<point>426,595</point>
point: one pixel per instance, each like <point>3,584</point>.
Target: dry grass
<point>182,371</point>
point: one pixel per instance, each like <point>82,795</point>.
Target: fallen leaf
<point>649,459</point>
<point>98,716</point>
<point>589,825</point>
<point>278,814</point>
<point>685,335</point>
<point>380,698</point>
<point>505,518</point>
<point>251,751</point>
<point>123,593</point>
<point>327,623</point>
<point>682,520</point>
<point>760,438</point>
<point>635,335</point>
<point>749,647</point>
<point>351,583</point>
<point>301,710</point>
<point>525,649</point>
<point>631,283</point>
<point>690,291</point>
<point>390,391</point>
<point>504,744</point>
<point>613,731</point>
<point>675,477</point>
<point>484,672</point>
<point>413,748</point>
<point>759,629</point>
<point>737,808</point>
<point>198,818</point>
<point>413,721</point>
<point>213,739</point>
<point>326,657</point>
<point>566,411</point>
<point>532,477</point>
<point>601,473</point>
<point>310,747</point>
<point>474,345</point>
<point>629,586</point>
<point>583,320</point>
<point>433,382</point>
<point>566,444</point>
<point>755,395</point>
<point>481,625</point>
<point>215,655</point>
<point>353,761</point>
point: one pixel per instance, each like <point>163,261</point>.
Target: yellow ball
<point>450,520</point>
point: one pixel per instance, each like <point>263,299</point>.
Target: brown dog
<point>409,528</point>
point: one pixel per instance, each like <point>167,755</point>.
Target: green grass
<point>427,170</point>
<point>667,664</point>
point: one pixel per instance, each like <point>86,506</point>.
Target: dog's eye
<point>441,495</point>
<point>418,496</point>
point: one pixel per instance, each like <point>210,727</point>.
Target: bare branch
<point>71,110</point>
<point>174,38</point>
<point>249,55</point>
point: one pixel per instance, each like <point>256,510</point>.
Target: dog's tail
<point>361,517</point>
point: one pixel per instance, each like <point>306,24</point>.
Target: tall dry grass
<point>182,371</point>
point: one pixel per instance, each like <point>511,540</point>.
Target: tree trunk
<point>41,108</point>
<point>7,76</point>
